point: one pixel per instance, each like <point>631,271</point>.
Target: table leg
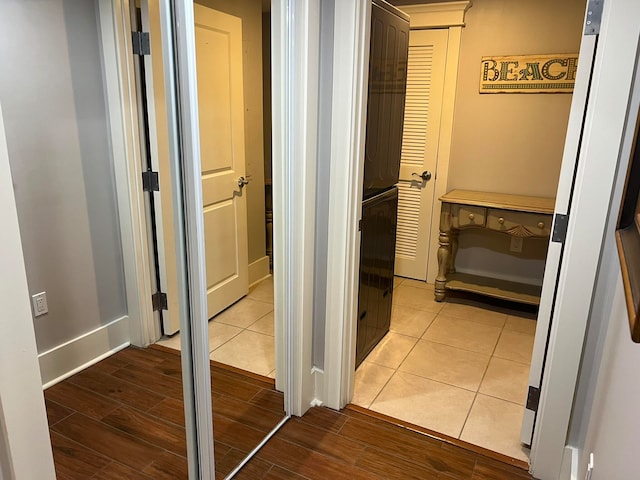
<point>444,252</point>
<point>453,234</point>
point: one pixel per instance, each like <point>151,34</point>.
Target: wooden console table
<point>514,215</point>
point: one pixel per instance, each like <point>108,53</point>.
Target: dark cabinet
<point>388,56</point>
<point>377,254</point>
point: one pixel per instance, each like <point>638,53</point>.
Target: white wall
<point>613,433</point>
<point>52,91</point>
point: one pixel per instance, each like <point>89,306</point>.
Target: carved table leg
<point>444,251</point>
<point>453,234</point>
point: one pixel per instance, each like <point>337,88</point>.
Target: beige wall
<point>250,11</point>
<point>511,143</point>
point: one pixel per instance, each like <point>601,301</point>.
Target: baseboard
<point>75,355</point>
<point>319,380</point>
<point>569,470</point>
<point>258,270</point>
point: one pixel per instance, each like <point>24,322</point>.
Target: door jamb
<point>115,28</point>
<point>348,114</point>
<point>295,64</point>
<point>168,263</point>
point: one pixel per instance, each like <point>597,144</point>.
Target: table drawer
<point>520,224</point>
<point>468,216</point>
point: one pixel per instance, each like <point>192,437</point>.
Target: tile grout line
<point>480,384</point>
<point>395,370</point>
<point>379,392</point>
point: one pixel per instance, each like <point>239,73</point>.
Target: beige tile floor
<point>242,335</point>
<point>458,367</point>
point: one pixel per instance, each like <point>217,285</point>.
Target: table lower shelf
<point>493,287</point>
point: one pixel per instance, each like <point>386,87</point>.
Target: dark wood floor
<point>123,419</point>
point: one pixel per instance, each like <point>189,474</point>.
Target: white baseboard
<point>319,385</point>
<point>258,270</point>
<point>75,355</point>
<point>569,470</point>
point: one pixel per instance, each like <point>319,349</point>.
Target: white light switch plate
<point>40,306</point>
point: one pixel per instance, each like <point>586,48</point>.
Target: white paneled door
<point>221,116</point>
<point>418,166</point>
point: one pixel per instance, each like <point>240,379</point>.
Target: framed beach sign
<point>528,74</point>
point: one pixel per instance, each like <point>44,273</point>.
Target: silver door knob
<point>425,176</point>
<point>243,181</point>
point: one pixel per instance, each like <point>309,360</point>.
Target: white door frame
<point>115,31</point>
<point>562,206</point>
<point>295,47</point>
<point>603,129</point>
<point>166,218</point>
<point>348,121</point>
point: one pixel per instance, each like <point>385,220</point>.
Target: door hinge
<point>533,398</point>
<point>360,225</point>
<point>159,301</point>
<point>141,43</point>
<point>560,223</point>
<point>594,17</point>
<point>150,181</point>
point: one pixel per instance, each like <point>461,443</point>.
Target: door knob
<point>425,176</point>
<point>243,181</point>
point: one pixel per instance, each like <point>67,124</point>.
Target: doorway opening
<point>236,154</point>
<point>460,366</point>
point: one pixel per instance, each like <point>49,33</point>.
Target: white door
<point>221,117</point>
<point>423,106</point>
<point>554,254</point>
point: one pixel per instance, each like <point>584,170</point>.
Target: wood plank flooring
<point>123,419</point>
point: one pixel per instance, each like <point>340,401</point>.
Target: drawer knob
<point>540,224</point>
<point>501,220</point>
<point>471,216</point>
